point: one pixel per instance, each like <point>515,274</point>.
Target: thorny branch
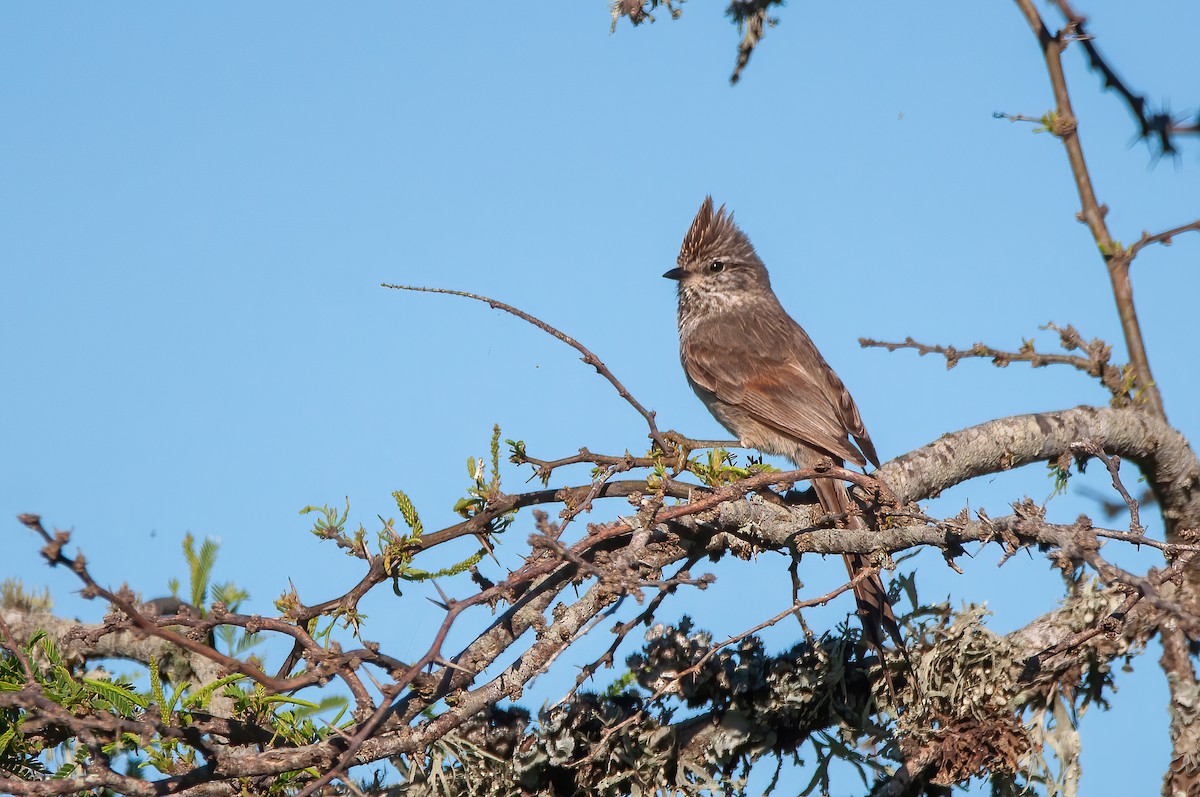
<point>588,357</point>
<point>412,707</point>
<point>624,557</point>
<point>672,682</point>
<point>1065,127</point>
<point>1096,363</point>
<point>1160,125</point>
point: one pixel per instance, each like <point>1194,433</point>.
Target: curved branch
<point>588,357</point>
<point>1164,238</point>
<point>1169,464</point>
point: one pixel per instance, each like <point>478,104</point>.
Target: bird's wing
<point>772,370</point>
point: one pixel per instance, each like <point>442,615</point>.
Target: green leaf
<point>409,513</point>
<point>121,696</point>
<point>466,507</point>
<point>413,574</point>
<point>156,690</point>
<point>284,699</point>
<point>6,738</point>
<point>495,457</point>
<point>200,698</point>
<point>331,524</point>
<point>66,769</point>
<point>200,565</point>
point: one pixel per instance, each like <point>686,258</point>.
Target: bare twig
<point>1017,117</point>
<point>1158,125</point>
<point>821,600</point>
<point>54,555</point>
<point>588,357</point>
<point>1065,126</point>
<point>1096,363</point>
<point>1163,238</point>
<point>1112,623</point>
<point>670,684</point>
<point>1113,464</point>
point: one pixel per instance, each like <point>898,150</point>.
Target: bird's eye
<point>717,266</point>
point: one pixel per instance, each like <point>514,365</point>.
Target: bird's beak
<point>674,274</point>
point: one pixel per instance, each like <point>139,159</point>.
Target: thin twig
<point>1112,622</point>
<point>53,554</point>
<point>1065,126</point>
<point>1113,464</point>
<point>588,357</point>
<point>1163,238</point>
<point>1095,364</point>
<point>1158,125</point>
<point>671,683</point>
<point>1017,117</point>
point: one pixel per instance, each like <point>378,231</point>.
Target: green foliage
<point>200,565</point>
<point>52,676</point>
<point>235,639</point>
<point>409,513</point>
<point>621,684</point>
<point>290,718</point>
<point>658,474</point>
<point>1060,475</point>
<point>722,468</point>
<point>482,493</point>
<point>119,695</point>
<point>351,619</point>
<point>287,719</point>
<point>13,596</point>
<point>495,449</point>
<point>717,468</point>
<point>399,551</point>
<point>156,689</point>
<point>1129,391</point>
<point>332,526</point>
<point>828,748</point>
<point>413,574</point>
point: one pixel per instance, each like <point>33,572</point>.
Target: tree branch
<point>588,357</point>
<point>1065,127</point>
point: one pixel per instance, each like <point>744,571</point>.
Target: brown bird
<point>760,375</point>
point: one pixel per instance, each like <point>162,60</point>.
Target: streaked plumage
<point>762,377</point>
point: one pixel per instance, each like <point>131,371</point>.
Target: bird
<point>762,377</point>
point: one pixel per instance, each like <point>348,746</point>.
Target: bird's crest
<point>711,233</point>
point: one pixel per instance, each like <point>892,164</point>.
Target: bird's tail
<point>874,611</point>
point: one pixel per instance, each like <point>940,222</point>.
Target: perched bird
<point>760,375</point>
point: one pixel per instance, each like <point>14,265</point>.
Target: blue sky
<point>201,200</point>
